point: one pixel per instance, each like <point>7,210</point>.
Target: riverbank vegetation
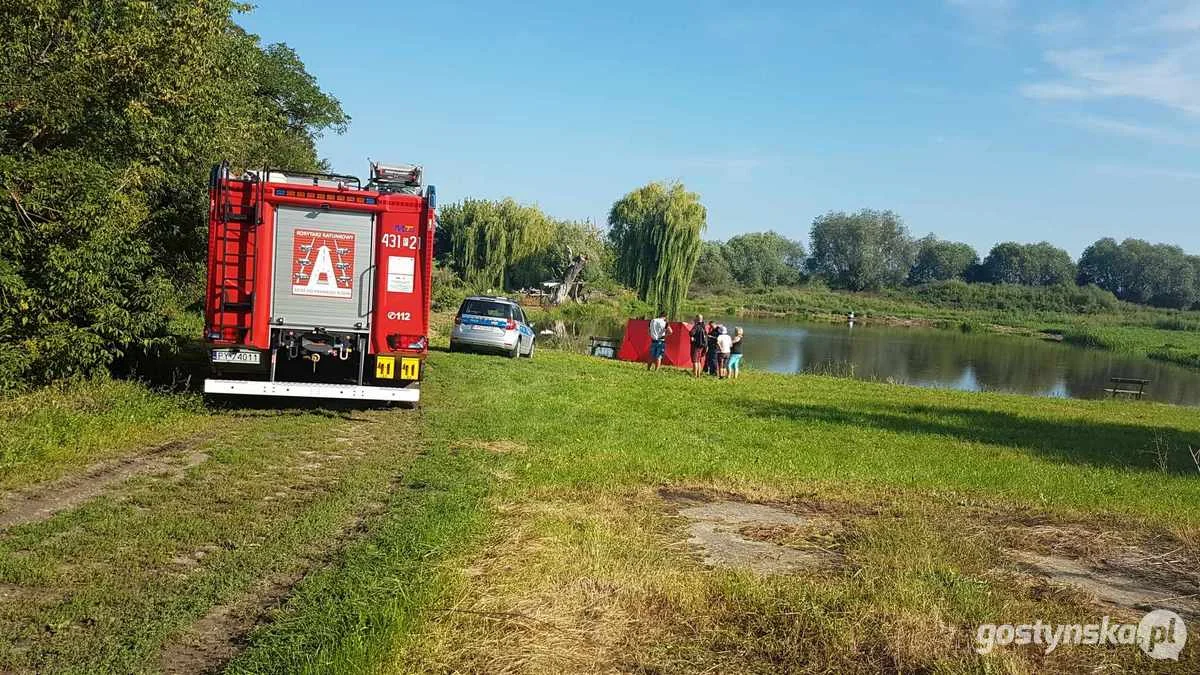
<point>571,512</point>
<point>113,114</point>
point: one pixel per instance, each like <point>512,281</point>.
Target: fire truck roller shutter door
<point>322,268</point>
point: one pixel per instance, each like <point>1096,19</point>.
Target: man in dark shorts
<point>699,342</point>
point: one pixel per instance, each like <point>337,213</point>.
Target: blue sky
<point>977,120</point>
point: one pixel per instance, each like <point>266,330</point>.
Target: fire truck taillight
<point>396,342</point>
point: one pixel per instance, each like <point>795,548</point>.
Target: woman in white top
<point>724,344</point>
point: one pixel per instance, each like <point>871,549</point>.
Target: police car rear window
<point>495,310</point>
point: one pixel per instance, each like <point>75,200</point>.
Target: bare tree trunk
<point>563,290</point>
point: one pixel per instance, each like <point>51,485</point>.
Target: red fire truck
<point>318,286</point>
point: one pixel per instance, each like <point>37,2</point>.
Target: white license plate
<point>230,356</point>
<point>489,329</point>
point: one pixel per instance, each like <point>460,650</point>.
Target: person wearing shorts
<point>735,354</point>
<point>724,345</point>
<point>699,342</point>
<point>659,330</point>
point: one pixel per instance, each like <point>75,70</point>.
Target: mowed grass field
<point>541,516</point>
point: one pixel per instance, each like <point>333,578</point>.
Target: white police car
<point>492,324</point>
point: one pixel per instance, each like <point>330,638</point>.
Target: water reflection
<point>947,359</point>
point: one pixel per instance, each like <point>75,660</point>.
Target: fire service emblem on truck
<point>322,263</point>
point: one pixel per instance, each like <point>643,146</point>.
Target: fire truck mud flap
<point>311,390</point>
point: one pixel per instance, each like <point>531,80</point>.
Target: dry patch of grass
<point>498,447</point>
<point>617,581</point>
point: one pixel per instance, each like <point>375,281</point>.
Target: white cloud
<point>1055,91</point>
<point>1140,131</point>
<point>1060,25</point>
<point>1152,57</point>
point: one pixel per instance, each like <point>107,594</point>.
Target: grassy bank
<point>534,517</point>
<point>912,497</point>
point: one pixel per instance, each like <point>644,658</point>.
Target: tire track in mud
<point>41,502</point>
<point>213,640</point>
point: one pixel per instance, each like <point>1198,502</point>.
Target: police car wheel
<point>516,350</point>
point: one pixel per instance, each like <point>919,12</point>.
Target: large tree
<point>655,231</point>
<point>1041,264</point>
<point>712,268</point>
<point>1138,271</point>
<point>939,260</point>
<point>859,251</point>
<point>485,241</point>
<point>111,112</point>
<point>765,259</point>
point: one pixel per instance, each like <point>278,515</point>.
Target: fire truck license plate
<point>230,356</point>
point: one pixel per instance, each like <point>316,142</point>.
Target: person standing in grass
<point>710,349</point>
<point>699,342</point>
<point>735,353</point>
<point>724,344</point>
<point>659,330</point>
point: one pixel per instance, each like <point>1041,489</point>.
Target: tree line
<point>873,250</point>
<point>111,113</point>
<point>654,245</point>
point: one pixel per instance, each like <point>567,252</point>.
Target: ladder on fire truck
<point>237,222</point>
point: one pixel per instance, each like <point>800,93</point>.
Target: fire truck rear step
<point>312,390</point>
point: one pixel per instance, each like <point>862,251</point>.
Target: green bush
<point>1177,323</point>
<point>448,290</point>
<point>956,294</point>
<point>113,112</point>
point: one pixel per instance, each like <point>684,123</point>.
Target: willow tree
<point>655,231</point>
<point>482,240</point>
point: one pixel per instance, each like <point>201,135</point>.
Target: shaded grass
<point>50,430</point>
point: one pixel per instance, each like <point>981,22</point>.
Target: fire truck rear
<point>318,286</point>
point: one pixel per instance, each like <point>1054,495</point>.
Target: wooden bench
<point>1124,385</point>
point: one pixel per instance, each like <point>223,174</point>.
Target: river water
<point>947,359</point>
